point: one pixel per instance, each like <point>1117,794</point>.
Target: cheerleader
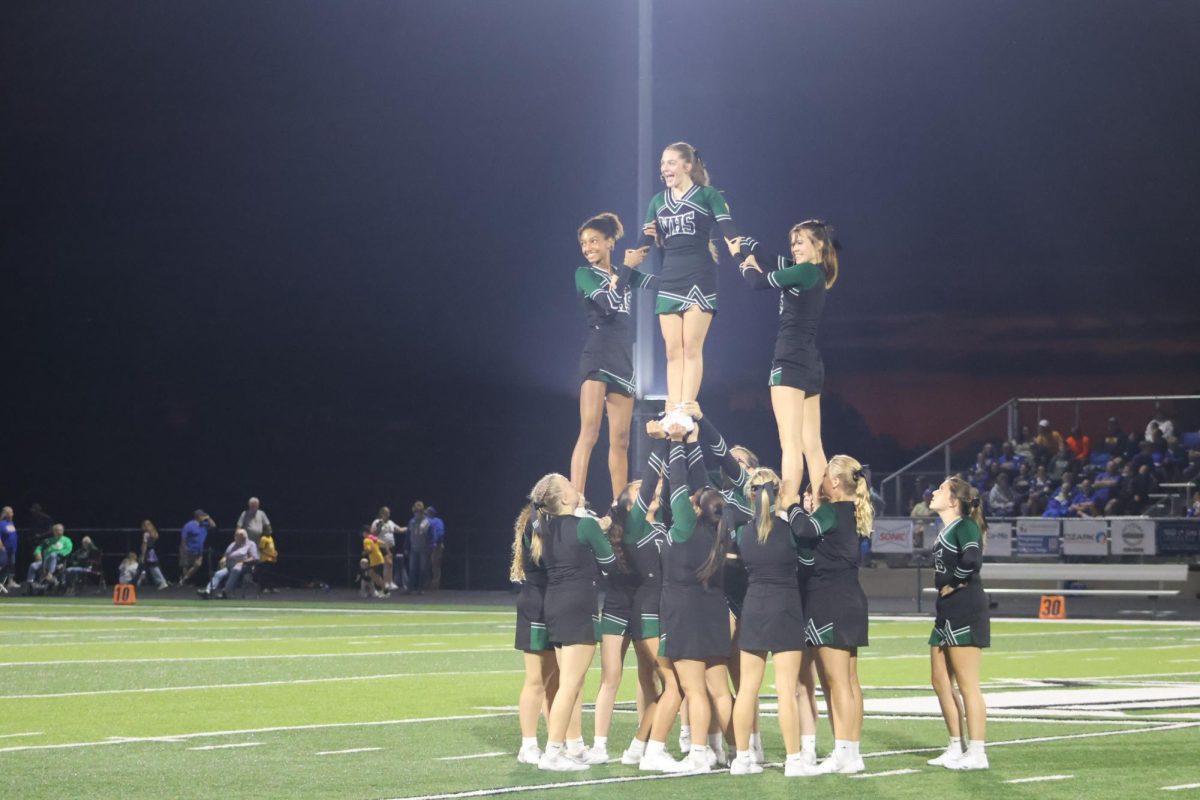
<point>797,373</point>
<point>540,667</point>
<point>607,381</point>
<point>631,603</point>
<point>836,606</point>
<point>695,638</point>
<point>963,626</point>
<point>681,219</point>
<point>772,621</point>
<point>569,546</point>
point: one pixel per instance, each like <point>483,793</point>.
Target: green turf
<point>421,684</point>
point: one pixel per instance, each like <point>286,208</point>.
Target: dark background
<point>322,252</point>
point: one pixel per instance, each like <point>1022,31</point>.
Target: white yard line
<point>17,735</point>
<point>227,746</point>
<point>886,774</point>
<point>247,624</point>
<point>474,755</point>
<point>226,608</point>
<point>351,750</point>
<point>196,640</point>
<point>1181,787</point>
<point>177,659</point>
<point>1041,778</point>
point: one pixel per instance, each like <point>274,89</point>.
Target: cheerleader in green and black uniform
<point>797,372</point>
<point>963,625</point>
<point>606,374</point>
<point>682,219</point>
<point>836,606</point>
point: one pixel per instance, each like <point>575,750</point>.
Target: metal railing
<point>1012,422</point>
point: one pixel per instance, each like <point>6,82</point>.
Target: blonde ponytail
<point>970,505</point>
<point>759,479</point>
<point>849,473</point>
<point>516,570</point>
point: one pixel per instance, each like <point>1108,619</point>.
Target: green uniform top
<point>958,553</point>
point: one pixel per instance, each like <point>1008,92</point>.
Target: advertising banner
<point>1132,536</point>
<point>1085,537</point>
<point>1037,536</point>
<point>1178,537</point>
<point>892,536</point>
<point>999,540</point>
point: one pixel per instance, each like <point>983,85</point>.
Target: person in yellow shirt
<point>264,571</point>
<point>371,565</point>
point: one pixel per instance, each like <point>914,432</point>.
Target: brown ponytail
<point>712,506</point>
<point>516,570</point>
<point>968,504</point>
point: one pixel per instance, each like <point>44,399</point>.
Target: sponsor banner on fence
<point>1037,536</point>
<point>1085,537</point>
<point>1132,536</point>
<point>1178,537</point>
<point>999,539</point>
<point>892,536</point>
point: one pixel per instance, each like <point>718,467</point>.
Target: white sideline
<point>1181,786</point>
<point>16,735</point>
<point>227,746</point>
<point>886,774</point>
<point>172,659</point>
<point>247,626</point>
<point>351,750</point>
<point>1040,779</point>
<point>223,640</point>
<point>473,755</point>
<point>194,605</point>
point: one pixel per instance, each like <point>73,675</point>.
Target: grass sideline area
<point>179,698</point>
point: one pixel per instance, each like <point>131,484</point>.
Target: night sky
<point>322,252</point>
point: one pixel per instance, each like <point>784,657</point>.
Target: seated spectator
<point>149,560</point>
<point>8,551</point>
<point>127,570</point>
<point>1048,441</point>
<point>239,556</point>
<point>1194,509</point>
<point>921,507</point>
<point>1060,502</point>
<point>1114,439</point>
<point>83,561</point>
<point>1079,444</point>
<point>264,571</point>
<point>1175,459</point>
<point>1147,457</point>
<point>1002,500</point>
<point>371,566</point>
<point>981,473</point>
<point>1024,445</point>
<point>46,559</point>
<point>1062,463</point>
<point>1158,441</point>
<point>1133,446</point>
<point>1107,484</point>
<point>1039,494</point>
<point>191,544</point>
<point>1008,460</point>
<point>1137,484</point>
<point>1160,422</point>
<point>1022,487</point>
<point>1083,502</point>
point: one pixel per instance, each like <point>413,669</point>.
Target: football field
<point>177,698</point>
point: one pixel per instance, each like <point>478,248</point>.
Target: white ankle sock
<point>795,756</point>
<point>600,742</point>
<point>743,755</point>
<point>755,740</point>
<point>808,744</point>
<point>685,731</point>
<point>841,748</point>
<point>854,750</point>
<point>528,742</point>
<point>576,744</point>
<point>653,748</point>
<point>955,743</point>
<point>637,747</point>
<point>699,750</point>
<point>975,747</point>
<point>553,748</point>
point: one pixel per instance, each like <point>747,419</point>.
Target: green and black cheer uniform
<point>643,541</point>
<point>531,602</point>
<point>571,549</point>
<point>835,606</point>
<point>797,362</point>
<point>772,615</point>
<point>608,352</point>
<point>695,619</point>
<point>737,511</point>
<point>962,616</point>
<point>689,275</point>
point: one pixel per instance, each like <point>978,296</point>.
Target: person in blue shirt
<point>437,534</point>
<point>191,544</point>
<point>1060,501</point>
<point>8,551</point>
<point>1083,500</point>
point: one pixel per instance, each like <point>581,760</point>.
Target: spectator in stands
<point>46,559</point>
<point>191,544</point>
<point>149,563</point>
<point>1107,484</point>
<point>371,566</point>
<point>1048,441</point>
<point>1160,421</point>
<point>40,523</point>
<point>8,551</point>
<point>1175,458</point>
<point>981,473</point>
<point>1008,460</point>
<point>1024,445</point>
<point>1133,445</point>
<point>1039,494</point>
<point>82,562</point>
<point>1022,486</point>
<point>385,530</point>
<point>921,507</point>
<point>127,570</point>
<point>1191,470</point>
<point>1194,509</point>
<point>1158,441</point>
<point>437,541</point>
<point>1146,457</point>
<point>1079,444</point>
<point>1083,501</point>
<point>1060,502</point>
<point>240,555</point>
<point>264,571</point>
<point>254,521</point>
<point>1062,463</point>
<point>1144,485</point>
<point>1114,439</point>
<point>1002,500</point>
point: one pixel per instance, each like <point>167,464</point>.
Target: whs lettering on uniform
<point>684,224</point>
